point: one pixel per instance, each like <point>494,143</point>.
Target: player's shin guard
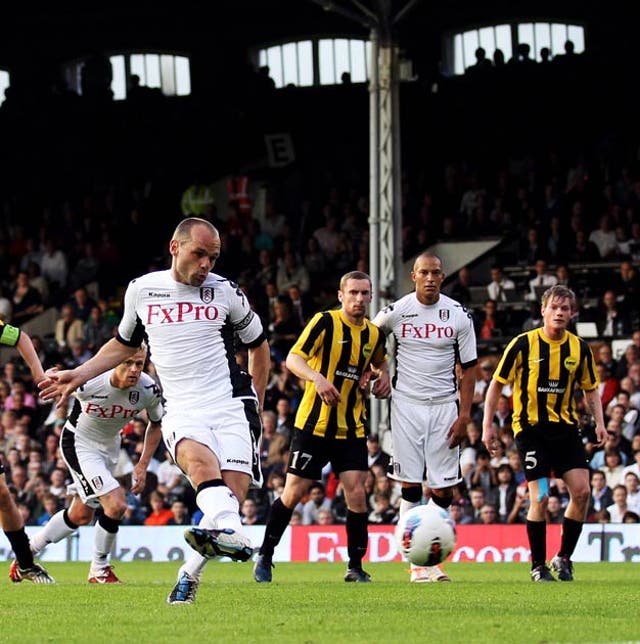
<point>279,518</point>
<point>20,545</point>
<point>220,504</point>
<point>442,501</point>
<point>105,535</point>
<point>571,530</point>
<point>357,537</point>
<point>411,497</point>
<point>58,528</point>
<point>537,533</point>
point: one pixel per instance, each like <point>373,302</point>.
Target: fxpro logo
<point>180,312</point>
<point>425,331</point>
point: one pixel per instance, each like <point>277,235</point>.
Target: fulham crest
<point>134,396</point>
<point>206,294</point>
<point>444,314</point>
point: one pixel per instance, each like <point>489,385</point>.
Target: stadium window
<point>167,72</point>
<point>323,61</point>
<point>4,83</point>
<point>460,47</point>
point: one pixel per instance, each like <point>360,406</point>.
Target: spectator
<point>604,238</point>
<point>499,284</point>
<point>491,323</point>
<point>478,499</point>
<point>619,506</point>
<point>583,250</point>
<point>159,514</point>
<point>488,514</point>
<point>461,289</point>
<point>601,494</point>
<point>54,266</point>
<point>609,386</point>
<point>483,475</point>
<point>541,280</point>
<point>382,513</point>
<point>26,300</point>
<point>632,482</point>
<point>180,513</point>
<point>284,329</point>
<point>82,303</point>
<point>249,512</point>
<point>610,319</point>
<point>38,281</point>
<point>456,514</point>
<point>292,273</point>
<point>555,511</point>
<point>505,492</point>
<point>68,329</point>
<point>317,500</point>
<point>375,455</point>
<point>97,330</point>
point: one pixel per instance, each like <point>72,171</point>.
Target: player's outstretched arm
<point>61,384</point>
<point>28,353</point>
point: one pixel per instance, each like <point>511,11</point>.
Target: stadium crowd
<point>574,221</point>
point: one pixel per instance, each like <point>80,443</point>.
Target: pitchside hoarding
<point>598,542</point>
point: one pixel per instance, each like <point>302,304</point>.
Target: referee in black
<point>545,366</point>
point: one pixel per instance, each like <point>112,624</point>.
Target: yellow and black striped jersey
<point>544,374</point>
<point>9,335</point>
<point>341,352</point>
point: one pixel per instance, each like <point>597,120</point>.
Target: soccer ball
<point>425,535</point>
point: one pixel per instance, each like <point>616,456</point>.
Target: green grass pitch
<point>310,603</point>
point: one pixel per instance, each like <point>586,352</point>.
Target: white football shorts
<point>91,467</point>
<point>232,432</point>
<point>419,436</point>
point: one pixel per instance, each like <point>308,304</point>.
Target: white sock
<point>55,530</point>
<point>195,564</point>
<point>102,543</point>
<point>405,505</point>
<point>221,506</point>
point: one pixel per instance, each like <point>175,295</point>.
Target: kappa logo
<point>206,294</point>
<point>134,396</point>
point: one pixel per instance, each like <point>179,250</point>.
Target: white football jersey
<point>191,336</point>
<point>101,410</point>
<point>430,339</point>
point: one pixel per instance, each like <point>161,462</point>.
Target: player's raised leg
<point>218,495</point>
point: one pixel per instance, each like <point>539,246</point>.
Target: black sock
<point>571,530</point>
<point>21,549</point>
<point>279,518</point>
<point>537,533</point>
<point>357,537</point>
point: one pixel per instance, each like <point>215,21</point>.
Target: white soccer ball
<point>425,535</point>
